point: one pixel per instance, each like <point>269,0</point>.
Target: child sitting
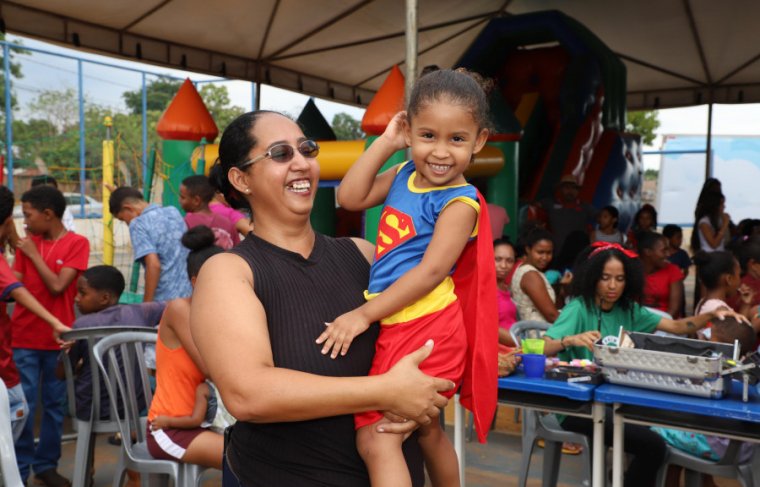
<point>707,446</point>
<point>98,292</point>
<point>195,194</point>
<point>430,214</point>
<point>208,412</point>
<point>676,255</point>
<point>608,227</point>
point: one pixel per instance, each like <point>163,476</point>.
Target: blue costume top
<point>407,224</point>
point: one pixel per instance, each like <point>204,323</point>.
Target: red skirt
<point>447,361</point>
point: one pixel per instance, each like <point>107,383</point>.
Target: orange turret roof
<point>186,117</point>
<point>388,101</point>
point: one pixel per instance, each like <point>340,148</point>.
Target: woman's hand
<point>723,313</point>
<point>415,395</point>
<point>341,332</point>
<point>508,363</point>
<point>394,132</point>
<point>586,339</point>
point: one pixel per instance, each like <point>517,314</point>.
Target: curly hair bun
<point>198,238</point>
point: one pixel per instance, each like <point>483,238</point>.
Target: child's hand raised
<point>746,293</point>
<point>394,132</point>
<point>341,332</point>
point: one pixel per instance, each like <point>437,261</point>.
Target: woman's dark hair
<point>748,251</point>
<point>645,209</point>
<point>589,269</point>
<point>236,143</point>
<point>712,265</point>
<point>647,241</point>
<point>504,241</point>
<point>614,213</point>
<point>457,86</point>
<point>711,185</point>
<point>534,236</point>
<point>710,208</point>
<point>200,241</point>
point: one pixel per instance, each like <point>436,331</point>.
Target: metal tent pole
<point>708,153</point>
<point>411,45</point>
<point>8,114</point>
<point>82,135</point>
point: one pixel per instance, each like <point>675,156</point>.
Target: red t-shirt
<point>657,286</point>
<point>72,251</point>
<point>8,283</point>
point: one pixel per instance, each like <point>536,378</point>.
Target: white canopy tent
<point>677,52</point>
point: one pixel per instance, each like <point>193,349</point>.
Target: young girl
<point>608,283</point>
<point>608,226</point>
<point>430,214</point>
<point>719,273</point>
<point>533,295</point>
<point>711,224</point>
<point>645,220</point>
<point>663,281</point>
<point>179,371</point>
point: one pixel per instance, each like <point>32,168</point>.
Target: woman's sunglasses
<point>285,152</point>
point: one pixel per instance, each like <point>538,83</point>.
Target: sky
<point>104,85</point>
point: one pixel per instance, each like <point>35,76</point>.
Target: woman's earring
<point>247,190</point>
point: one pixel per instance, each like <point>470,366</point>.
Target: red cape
<point>475,287</point>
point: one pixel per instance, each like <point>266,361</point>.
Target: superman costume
<point>460,314</point>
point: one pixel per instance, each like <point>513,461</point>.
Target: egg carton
<point>671,364</point>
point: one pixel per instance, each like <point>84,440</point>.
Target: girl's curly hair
<point>588,272</point>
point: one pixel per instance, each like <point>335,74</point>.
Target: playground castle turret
<point>184,124</point>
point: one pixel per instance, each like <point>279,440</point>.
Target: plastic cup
<point>533,345</point>
<point>534,365</point>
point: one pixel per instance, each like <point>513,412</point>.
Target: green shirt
<point>577,318</point>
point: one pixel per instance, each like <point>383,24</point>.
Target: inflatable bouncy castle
<point>567,91</point>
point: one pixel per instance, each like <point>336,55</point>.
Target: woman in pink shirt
<point>504,256</point>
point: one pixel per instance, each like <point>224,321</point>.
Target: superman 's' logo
<point>395,228</point>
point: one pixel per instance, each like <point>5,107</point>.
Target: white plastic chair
<point>11,476</point>
<point>127,349</point>
<point>536,425</point>
<point>88,429</point>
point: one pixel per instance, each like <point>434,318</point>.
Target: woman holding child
<point>608,286</point>
<point>256,313</point>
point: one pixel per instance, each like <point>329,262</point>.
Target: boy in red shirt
<point>48,262</point>
<point>11,288</point>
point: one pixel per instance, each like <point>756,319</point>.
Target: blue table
<point>729,417</point>
<point>555,396</point>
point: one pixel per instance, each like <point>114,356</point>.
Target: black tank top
<point>299,295</point>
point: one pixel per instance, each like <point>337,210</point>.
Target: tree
<point>160,92</point>
<point>347,127</point>
<point>15,69</point>
<point>644,123</point>
<point>217,100</point>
